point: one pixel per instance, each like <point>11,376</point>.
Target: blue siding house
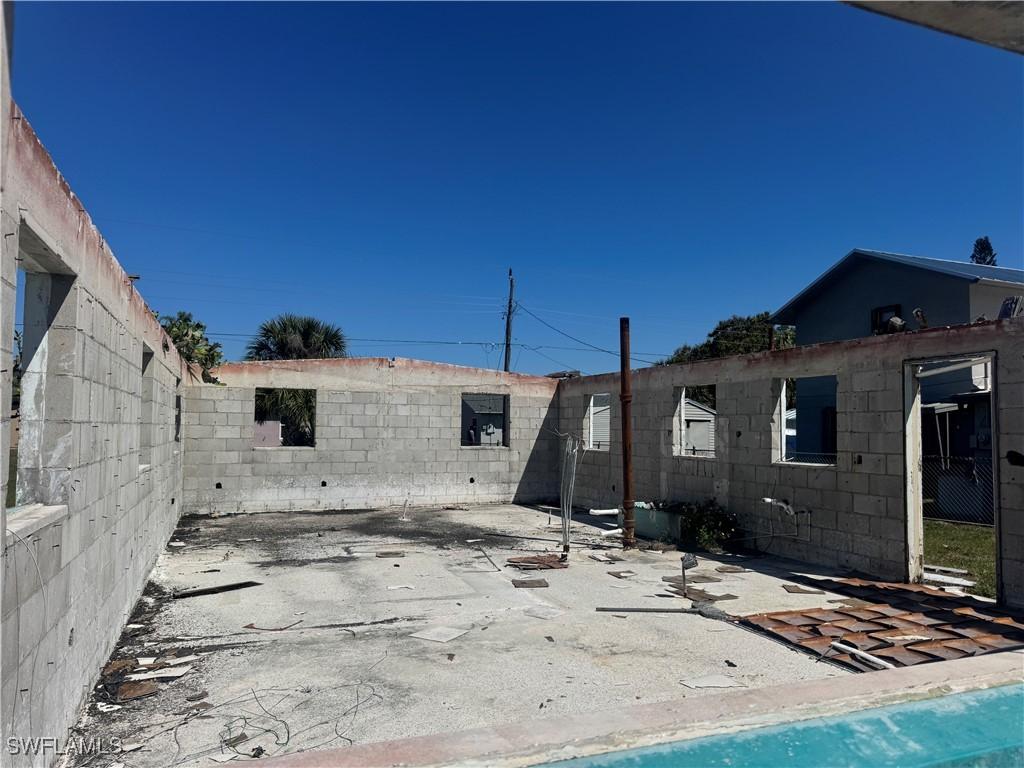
<point>859,296</point>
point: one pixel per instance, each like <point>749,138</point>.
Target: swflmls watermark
<point>74,745</point>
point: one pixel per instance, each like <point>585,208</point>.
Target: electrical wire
<point>578,340</point>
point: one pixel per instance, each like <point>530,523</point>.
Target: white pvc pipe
<point>861,654</point>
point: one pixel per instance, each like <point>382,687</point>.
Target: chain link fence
<point>958,489</point>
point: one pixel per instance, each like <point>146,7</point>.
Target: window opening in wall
<point>485,419</point>
<point>146,414</point>
<point>18,363</point>
<point>809,428</point>
<point>177,410</point>
<point>693,429</point>
<point>42,356</point>
<point>285,418</point>
<point>886,319</point>
<point>599,415</point>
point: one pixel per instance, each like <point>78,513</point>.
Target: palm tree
<point>296,337</point>
<point>293,337</point>
<point>189,336</point>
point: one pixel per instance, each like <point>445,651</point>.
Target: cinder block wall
<point>388,432</point>
<point>857,509</point>
<point>75,562</point>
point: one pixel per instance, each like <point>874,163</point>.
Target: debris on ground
<point>700,596</point>
<point>118,665</point>
<point>400,586</point>
<point>235,740</point>
<point>796,589</point>
<point>538,562</point>
<point>439,634</point>
<point>622,574</point>
<point>604,609</point>
<point>543,612</point>
<point>130,691</point>
<point>529,583</point>
<point>250,625</point>
<point>712,681</point>
<point>731,569</point>
<point>169,672</point>
<point>897,624</point>
<point>696,578</point>
<point>215,590</point>
<point>391,553</point>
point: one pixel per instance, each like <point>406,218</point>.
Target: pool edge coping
<point>540,741</point>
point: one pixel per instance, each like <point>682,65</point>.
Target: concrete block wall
<point>91,518</point>
<point>388,433</point>
<point>857,512</point>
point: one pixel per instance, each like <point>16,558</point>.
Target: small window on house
<point>485,419</point>
<point>693,429</point>
<point>285,418</point>
<point>146,414</point>
<point>599,416</point>
<point>880,317</point>
<point>808,426</point>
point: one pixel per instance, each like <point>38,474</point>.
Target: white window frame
<point>592,444</point>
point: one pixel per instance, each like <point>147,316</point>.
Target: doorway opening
<point>952,503</point>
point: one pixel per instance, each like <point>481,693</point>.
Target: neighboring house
<point>698,429</point>
<point>858,296</point>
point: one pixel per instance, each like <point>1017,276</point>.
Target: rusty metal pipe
<point>626,400</point>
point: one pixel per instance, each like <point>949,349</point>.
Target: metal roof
<point>962,270</point>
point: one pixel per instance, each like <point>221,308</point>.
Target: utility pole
<point>508,321</point>
<point>626,399</point>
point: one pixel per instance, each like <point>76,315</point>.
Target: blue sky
<point>382,166</point>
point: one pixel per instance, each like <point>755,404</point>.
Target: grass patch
<point>971,547</point>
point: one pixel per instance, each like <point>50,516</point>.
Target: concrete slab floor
<point>347,670</point>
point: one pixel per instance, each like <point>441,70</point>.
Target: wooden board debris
<point>529,583</point>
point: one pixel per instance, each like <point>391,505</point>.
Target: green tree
<point>737,335</point>
<point>189,336</point>
<point>296,337</point>
<point>983,252</point>
<point>293,337</point>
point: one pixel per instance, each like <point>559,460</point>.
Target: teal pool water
<point>983,729</point>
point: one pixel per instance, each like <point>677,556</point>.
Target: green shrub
<point>705,525</point>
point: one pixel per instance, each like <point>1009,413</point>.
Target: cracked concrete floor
<point>347,669</point>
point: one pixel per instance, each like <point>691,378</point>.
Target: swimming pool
<point>983,728</point>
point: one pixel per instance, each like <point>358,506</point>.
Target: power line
<point>492,345</point>
<point>578,340</point>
